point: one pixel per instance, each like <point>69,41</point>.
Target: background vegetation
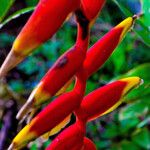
<point>128,127</point>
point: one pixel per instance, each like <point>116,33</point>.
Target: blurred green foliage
<point>128,126</point>
<point>4,7</point>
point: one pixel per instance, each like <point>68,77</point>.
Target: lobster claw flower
<point>64,68</point>
<point>47,18</point>
<point>53,117</point>
<point>71,138</point>
<point>101,50</point>
<point>106,99</point>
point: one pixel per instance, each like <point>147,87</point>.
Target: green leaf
<point>17,85</point>
<point>111,131</point>
<point>16,15</point>
<point>143,72</point>
<point>144,22</point>
<point>118,58</point>
<point>129,8</point>
<point>6,39</point>
<point>142,30</point>
<point>144,122</point>
<point>47,143</point>
<point>101,144</point>
<point>31,2</point>
<point>29,66</point>
<point>33,146</point>
<point>128,145</point>
<point>142,138</point>
<point>145,9</point>
<point>134,110</point>
<point>4,7</point>
<point>127,124</point>
<point>90,86</point>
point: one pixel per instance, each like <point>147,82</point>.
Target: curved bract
<point>98,54</point>
<point>64,68</point>
<point>97,103</point>
<point>75,62</point>
<point>105,99</point>
<point>62,71</point>
<point>47,18</point>
<point>101,50</point>
<point>71,138</point>
<point>52,115</point>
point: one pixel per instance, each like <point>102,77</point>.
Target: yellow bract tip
<point>39,95</point>
<point>132,82</point>
<point>126,25</point>
<point>23,137</point>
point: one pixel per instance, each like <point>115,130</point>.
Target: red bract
<point>105,99</point>
<point>71,138</point>
<point>97,103</point>
<point>52,115</point>
<point>64,105</point>
<point>43,23</point>
<point>88,144</point>
<point>63,69</point>
<point>101,101</point>
<point>92,7</point>
<point>101,50</point>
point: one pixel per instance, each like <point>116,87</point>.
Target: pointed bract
<point>40,27</point>
<point>64,68</point>
<point>52,115</point>
<point>105,99</point>
<point>101,50</point>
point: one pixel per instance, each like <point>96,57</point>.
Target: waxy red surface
<point>101,50</point>
<point>88,144</point>
<point>100,100</point>
<point>71,138</point>
<point>66,66</point>
<point>43,23</point>
<point>58,109</point>
<point>91,8</point>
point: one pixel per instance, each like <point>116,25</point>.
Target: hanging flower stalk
<point>61,107</point>
<point>47,18</point>
<point>65,67</point>
<point>98,54</point>
<point>97,103</point>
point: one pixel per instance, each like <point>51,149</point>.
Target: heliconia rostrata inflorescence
<point>77,62</point>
